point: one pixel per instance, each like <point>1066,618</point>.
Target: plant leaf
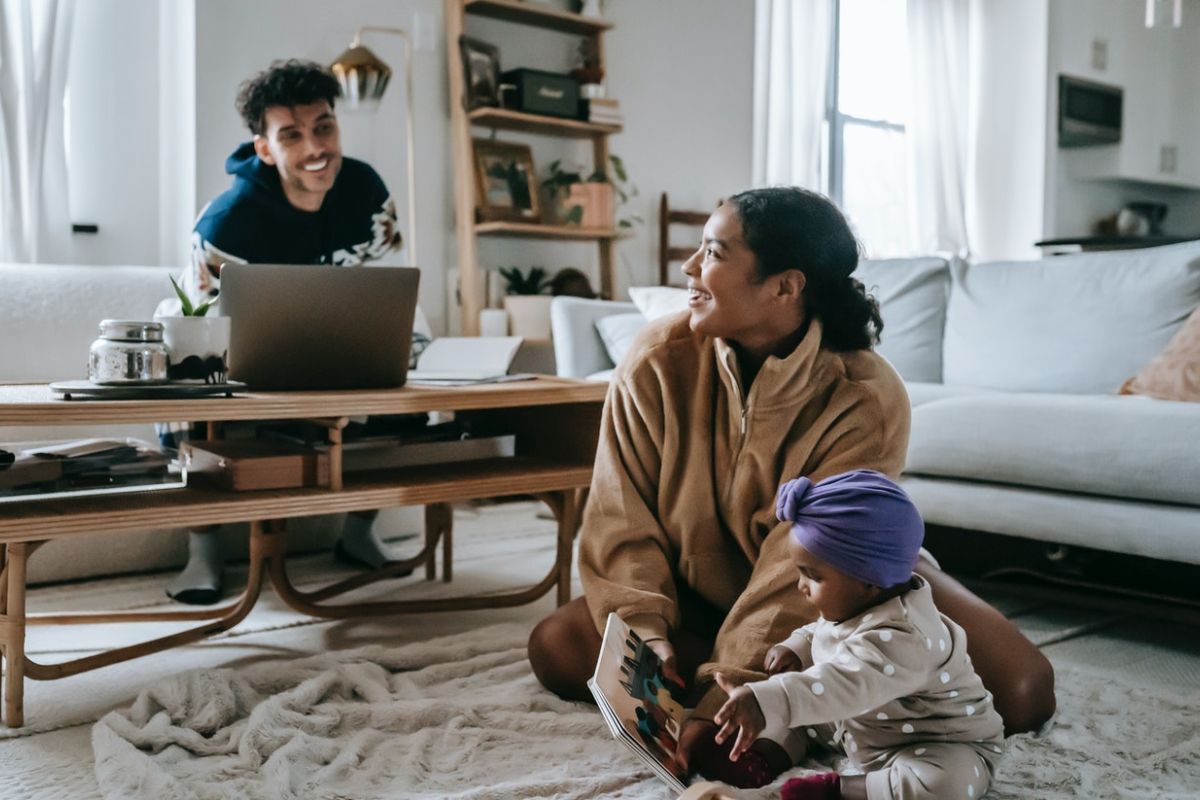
<point>185,303</point>
<point>575,215</point>
<point>619,168</point>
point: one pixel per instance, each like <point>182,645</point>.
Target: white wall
<point>1008,157</point>
<point>684,72</point>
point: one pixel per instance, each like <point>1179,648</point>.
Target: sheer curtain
<point>35,38</point>
<point>791,66</point>
<point>938,131</point>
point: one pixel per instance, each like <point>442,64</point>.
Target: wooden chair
<point>668,216</point>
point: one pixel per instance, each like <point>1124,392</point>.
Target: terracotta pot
<point>529,315</point>
<point>596,200</point>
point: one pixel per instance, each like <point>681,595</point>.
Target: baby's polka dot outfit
<point>894,689</point>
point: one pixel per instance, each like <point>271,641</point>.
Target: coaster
<point>86,390</point>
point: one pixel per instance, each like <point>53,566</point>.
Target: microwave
<point>1089,113</point>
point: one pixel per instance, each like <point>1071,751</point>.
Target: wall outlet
<point>1099,54</point>
<point>423,33</point>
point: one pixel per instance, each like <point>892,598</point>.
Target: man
<point>295,200</point>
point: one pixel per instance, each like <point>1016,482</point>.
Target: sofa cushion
<point>1132,447</point>
<point>50,314</point>
<point>618,332</point>
<point>1079,323</point>
<point>659,301</point>
<point>1105,523</point>
<point>912,301</point>
<point>920,392</point>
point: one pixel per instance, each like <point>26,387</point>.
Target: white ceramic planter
<point>197,348</point>
<point>529,315</point>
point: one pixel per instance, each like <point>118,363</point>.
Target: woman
<point>770,376</point>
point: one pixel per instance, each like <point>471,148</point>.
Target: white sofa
<point>49,315</point>
<point>1012,369</point>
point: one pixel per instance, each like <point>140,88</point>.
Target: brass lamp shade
<point>363,75</point>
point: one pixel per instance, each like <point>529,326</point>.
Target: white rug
<point>463,717</point>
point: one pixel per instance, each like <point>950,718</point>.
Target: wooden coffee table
<point>556,422</point>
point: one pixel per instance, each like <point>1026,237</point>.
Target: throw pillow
<point>1173,374</point>
<point>659,301</point>
<point>618,331</point>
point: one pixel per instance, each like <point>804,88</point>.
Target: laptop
<point>319,326</point>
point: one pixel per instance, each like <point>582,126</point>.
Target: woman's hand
<point>666,654</point>
<point>740,713</point>
<point>781,659</point>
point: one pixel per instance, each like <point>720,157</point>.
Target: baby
<point>881,675</point>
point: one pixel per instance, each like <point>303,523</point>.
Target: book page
<point>642,709</point>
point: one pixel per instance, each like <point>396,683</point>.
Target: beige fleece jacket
<point>686,474</point>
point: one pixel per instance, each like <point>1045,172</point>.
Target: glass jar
<point>128,351</point>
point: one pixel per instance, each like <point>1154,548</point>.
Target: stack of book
<point>605,110</point>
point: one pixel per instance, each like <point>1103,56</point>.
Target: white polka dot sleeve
<point>872,668</point>
<point>800,643</point>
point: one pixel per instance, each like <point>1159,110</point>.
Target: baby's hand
<point>740,713</point>
<point>781,659</point>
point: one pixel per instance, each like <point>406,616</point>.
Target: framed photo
<point>481,72</point>
<point>505,184</point>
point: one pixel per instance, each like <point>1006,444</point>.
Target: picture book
<point>644,711</point>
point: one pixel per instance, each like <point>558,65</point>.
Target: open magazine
<point>642,710</point>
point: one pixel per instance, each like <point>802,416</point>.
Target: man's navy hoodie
<point>253,222</point>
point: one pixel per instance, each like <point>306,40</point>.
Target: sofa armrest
<point>578,349</point>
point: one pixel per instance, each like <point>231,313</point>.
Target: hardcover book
<point>644,711</point>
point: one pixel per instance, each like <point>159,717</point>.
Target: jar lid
<point>129,330</point>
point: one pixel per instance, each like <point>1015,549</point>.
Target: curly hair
<point>787,227</point>
<point>285,83</point>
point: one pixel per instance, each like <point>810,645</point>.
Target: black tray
<point>86,390</point>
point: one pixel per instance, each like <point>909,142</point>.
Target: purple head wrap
<point>859,522</point>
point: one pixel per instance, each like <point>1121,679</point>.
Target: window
<point>867,109</point>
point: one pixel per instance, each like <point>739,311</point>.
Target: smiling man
<point>295,200</point>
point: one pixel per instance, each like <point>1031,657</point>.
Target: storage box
<point>248,465</point>
<point>548,93</point>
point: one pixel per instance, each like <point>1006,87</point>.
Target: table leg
<point>14,635</point>
<point>439,521</point>
<point>568,526</point>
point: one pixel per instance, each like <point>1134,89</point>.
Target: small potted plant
<point>197,344</point>
<point>590,202</point>
<point>526,302</point>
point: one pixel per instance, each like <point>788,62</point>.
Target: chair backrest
<point>667,254</point>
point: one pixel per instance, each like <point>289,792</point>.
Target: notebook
<point>463,360</point>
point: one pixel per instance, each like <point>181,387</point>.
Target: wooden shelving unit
<point>470,287</point>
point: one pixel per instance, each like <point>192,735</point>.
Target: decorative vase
<point>197,348</point>
<point>596,200</point>
<point>529,315</point>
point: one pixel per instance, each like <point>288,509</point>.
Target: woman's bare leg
<point>563,649</point>
<point>1019,677</point>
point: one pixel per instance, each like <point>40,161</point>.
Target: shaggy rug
<point>463,717</point>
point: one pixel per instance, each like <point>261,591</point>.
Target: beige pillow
<point>1173,374</point>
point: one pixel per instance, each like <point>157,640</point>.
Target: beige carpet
<point>463,717</point>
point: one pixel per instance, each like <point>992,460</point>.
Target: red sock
<point>823,786</point>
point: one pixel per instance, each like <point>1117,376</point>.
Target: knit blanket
<point>463,717</point>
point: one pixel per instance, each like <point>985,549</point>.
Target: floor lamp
<point>364,78</point>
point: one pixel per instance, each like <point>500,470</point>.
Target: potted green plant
<point>197,344</point>
<point>591,201</point>
<point>527,304</point>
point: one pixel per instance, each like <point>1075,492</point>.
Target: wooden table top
<point>36,404</point>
